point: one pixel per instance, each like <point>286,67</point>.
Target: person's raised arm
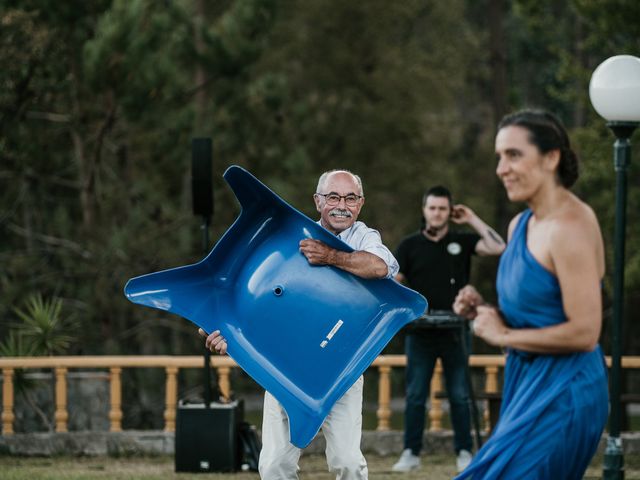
<point>490,242</point>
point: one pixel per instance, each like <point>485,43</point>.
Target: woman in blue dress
<point>555,400</point>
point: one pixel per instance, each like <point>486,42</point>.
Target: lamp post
<point>615,94</point>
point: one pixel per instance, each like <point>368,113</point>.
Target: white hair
<point>323,179</point>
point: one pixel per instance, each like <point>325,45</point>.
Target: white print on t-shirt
<point>454,248</point>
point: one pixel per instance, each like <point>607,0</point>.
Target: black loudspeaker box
<point>207,439</point>
<point>201,177</point>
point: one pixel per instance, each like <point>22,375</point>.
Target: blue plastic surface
<point>305,333</point>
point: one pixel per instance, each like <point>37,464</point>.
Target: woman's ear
<point>551,160</point>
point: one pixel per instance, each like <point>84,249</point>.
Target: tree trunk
<point>498,63</point>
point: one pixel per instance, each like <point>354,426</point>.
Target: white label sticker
<point>335,328</point>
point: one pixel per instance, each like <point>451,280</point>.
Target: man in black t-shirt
<point>436,262</point>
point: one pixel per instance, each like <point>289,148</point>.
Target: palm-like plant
<point>43,330</point>
<point>14,345</point>
<point>43,326</point>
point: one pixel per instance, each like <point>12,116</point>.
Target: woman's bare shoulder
<point>575,236</point>
<point>575,221</point>
<point>512,225</point>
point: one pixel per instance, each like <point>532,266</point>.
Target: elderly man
<point>339,198</point>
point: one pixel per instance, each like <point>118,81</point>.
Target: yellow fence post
<point>171,399</point>
<point>7,401</point>
<point>115,396</point>
<point>435,410</point>
<point>490,386</point>
<point>384,398</point>
<point>61,414</point>
<point>223,382</point>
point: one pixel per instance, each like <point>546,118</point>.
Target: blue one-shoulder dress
<point>554,407</point>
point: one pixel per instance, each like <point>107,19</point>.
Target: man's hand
<point>466,302</point>
<point>461,214</point>
<point>317,253</point>
<point>214,342</point>
<point>360,263</point>
<point>490,242</point>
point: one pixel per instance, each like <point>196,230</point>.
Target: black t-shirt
<point>437,269</point>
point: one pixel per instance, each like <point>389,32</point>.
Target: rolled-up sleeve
<point>360,237</point>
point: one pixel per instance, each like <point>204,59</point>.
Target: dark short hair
<point>547,132</point>
<point>437,191</point>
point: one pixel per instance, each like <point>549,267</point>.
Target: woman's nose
<point>502,167</point>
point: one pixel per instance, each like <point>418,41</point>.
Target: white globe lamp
<point>615,89</point>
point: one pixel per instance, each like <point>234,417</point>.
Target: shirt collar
<point>343,233</point>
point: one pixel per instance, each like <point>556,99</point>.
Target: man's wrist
<point>332,258</point>
<point>475,222</point>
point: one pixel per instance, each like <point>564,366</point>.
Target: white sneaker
<point>407,462</point>
<point>463,460</point>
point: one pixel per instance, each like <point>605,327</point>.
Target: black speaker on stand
<point>207,434</point>
<point>202,194</point>
<point>202,178</point>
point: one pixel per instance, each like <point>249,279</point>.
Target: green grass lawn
<point>437,467</point>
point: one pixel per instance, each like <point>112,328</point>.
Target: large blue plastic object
<point>305,333</point>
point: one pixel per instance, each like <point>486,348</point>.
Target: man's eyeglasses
<point>333,199</point>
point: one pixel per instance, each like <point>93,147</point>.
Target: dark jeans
<point>423,349</point>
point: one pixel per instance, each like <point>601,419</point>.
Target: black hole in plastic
<point>277,291</point>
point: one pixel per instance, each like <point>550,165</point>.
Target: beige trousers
<point>342,430</point>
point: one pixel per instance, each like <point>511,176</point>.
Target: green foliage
<point>99,101</point>
<point>15,345</point>
<point>43,328</point>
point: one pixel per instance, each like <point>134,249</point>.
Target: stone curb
<point>154,442</point>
